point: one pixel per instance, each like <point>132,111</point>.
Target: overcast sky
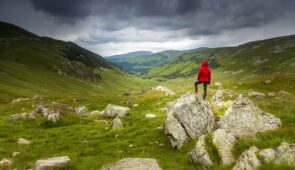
<point>110,27</point>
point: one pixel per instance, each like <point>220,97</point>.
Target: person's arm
<point>199,74</point>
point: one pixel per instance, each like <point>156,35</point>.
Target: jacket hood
<point>205,63</point>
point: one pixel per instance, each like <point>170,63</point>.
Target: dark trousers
<point>205,87</point>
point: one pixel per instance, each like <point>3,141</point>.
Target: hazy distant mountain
<point>128,55</point>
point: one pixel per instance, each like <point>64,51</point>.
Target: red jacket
<point>204,74</point>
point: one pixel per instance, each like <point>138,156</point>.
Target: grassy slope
<point>67,136</point>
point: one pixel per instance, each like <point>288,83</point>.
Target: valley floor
<point>92,145</point>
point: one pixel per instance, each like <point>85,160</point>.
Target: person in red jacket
<point>204,76</point>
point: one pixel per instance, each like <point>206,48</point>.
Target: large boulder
<point>285,153</point>
<point>199,154</point>
<point>135,164</point>
<point>52,163</point>
<point>224,142</point>
<point>248,160</point>
<point>189,114</point>
<point>116,123</point>
<point>244,119</point>
<point>114,111</point>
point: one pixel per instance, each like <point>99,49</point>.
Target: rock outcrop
<point>52,163</point>
<point>224,142</point>
<point>116,123</point>
<point>248,160</point>
<point>135,164</point>
<point>285,153</point>
<point>5,163</point>
<point>244,119</point>
<point>188,117</point>
<point>114,111</point>
<point>200,155</point>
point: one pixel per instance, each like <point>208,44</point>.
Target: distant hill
<point>271,56</point>
<point>115,58</point>
<point>139,64</point>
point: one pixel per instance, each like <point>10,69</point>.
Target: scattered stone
<point>150,142</point>
<point>24,115</point>
<point>85,141</point>
<point>285,153</point>
<point>19,100</point>
<point>76,100</point>
<point>106,128</point>
<point>23,109</point>
<point>35,97</point>
<point>159,104</point>
<point>160,128</point>
<point>53,117</point>
<point>14,154</point>
<point>169,93</point>
<point>284,93</point>
<point>127,93</point>
<point>81,110</point>
<point>117,136</point>
<point>235,87</point>
<point>244,119</point>
<point>130,146</point>
<point>271,95</point>
<point>96,112</point>
<point>150,115</point>
<point>5,163</point>
<point>267,155</point>
<point>103,121</point>
<point>42,110</point>
<point>135,105</point>
<point>188,117</point>
<point>52,163</point>
<point>14,117</point>
<point>224,142</point>
<point>23,141</point>
<point>135,164</point>
<point>116,123</point>
<point>248,160</point>
<point>32,116</point>
<point>218,84</point>
<point>200,155</point>
<point>161,144</point>
<point>255,94</point>
<point>164,109</point>
<point>267,82</point>
<point>114,111</point>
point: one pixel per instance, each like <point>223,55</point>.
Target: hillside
<point>270,56</point>
<point>139,64</point>
<point>32,65</point>
<point>115,58</point>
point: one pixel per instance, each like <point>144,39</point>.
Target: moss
<point>212,150</point>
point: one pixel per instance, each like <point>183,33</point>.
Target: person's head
<point>205,63</point>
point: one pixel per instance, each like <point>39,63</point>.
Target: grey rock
<point>159,104</point>
<point>42,110</point>
<point>244,119</point>
<point>96,112</point>
<point>255,94</point>
<point>32,116</point>
<point>150,116</point>
<point>52,163</point>
<point>285,153</point>
<point>5,163</point>
<point>116,123</point>
<point>248,160</point>
<point>114,111</point>
<point>14,117</point>
<point>267,82</point>
<point>271,95</point>
<point>135,164</point>
<point>23,141</point>
<point>284,93</point>
<point>193,115</point>
<point>135,105</point>
<point>235,87</point>
<point>224,142</point>
<point>53,117</point>
<point>218,84</point>
<point>81,110</point>
<point>267,155</point>
<point>199,155</point>
<point>14,154</point>
<point>19,100</point>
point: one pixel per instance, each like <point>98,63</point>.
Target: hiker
<point>204,76</point>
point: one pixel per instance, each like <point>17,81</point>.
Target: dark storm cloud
<point>199,17</point>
